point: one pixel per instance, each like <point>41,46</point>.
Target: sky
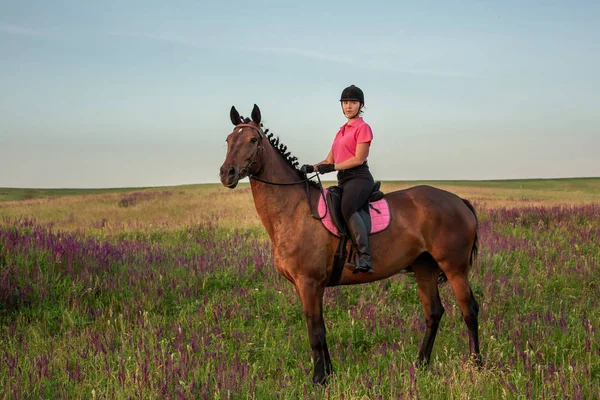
<point>97,94</point>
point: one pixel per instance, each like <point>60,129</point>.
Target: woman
<point>348,156</point>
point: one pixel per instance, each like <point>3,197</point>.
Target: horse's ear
<point>234,115</point>
<point>256,114</point>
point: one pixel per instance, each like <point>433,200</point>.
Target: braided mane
<point>287,156</point>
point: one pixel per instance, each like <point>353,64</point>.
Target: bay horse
<point>433,233</point>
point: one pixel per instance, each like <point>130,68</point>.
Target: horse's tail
<point>442,277</point>
<point>475,247</point>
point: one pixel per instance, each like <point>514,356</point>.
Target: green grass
<point>202,313</point>
<point>585,185</point>
<point>17,194</point>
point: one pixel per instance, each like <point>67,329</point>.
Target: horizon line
<point>332,180</point>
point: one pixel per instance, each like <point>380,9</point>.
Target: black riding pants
<point>357,184</point>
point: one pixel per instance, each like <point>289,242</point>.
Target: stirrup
<point>366,270</point>
<point>354,267</point>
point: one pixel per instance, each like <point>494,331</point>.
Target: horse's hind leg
<point>470,310</point>
<point>426,273</point>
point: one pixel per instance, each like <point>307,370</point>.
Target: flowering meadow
<point>198,311</point>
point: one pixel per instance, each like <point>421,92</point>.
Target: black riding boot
<point>360,237</point>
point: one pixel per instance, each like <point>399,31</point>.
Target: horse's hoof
<point>320,381</point>
<point>478,361</point>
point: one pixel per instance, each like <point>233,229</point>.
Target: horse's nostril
<point>229,172</point>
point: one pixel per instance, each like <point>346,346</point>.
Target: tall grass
<point>174,208</point>
<point>200,312</point>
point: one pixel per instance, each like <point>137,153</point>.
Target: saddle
<point>375,213</point>
<point>334,207</point>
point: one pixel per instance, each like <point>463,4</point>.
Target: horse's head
<point>244,148</point>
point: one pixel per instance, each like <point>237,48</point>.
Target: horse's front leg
<point>311,295</point>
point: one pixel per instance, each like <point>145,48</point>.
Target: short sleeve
<point>364,134</point>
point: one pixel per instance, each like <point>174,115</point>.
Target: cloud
<point>316,55</point>
<point>375,62</point>
<point>164,37</point>
<point>20,31</point>
<point>375,59</point>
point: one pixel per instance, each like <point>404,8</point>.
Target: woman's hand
<point>325,168</point>
<point>307,169</point>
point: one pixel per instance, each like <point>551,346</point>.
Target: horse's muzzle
<point>229,176</point>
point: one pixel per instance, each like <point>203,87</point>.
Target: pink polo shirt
<point>348,137</point>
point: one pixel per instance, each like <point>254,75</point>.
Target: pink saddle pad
<point>379,221</point>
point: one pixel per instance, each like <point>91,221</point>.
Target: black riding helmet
<point>353,93</point>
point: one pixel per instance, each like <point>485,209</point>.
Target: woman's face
<point>350,107</point>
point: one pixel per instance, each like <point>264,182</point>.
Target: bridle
<point>254,159</point>
<point>246,170</point>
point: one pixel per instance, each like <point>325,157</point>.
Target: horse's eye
<point>253,140</point>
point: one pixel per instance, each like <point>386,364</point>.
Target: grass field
<point>172,293</point>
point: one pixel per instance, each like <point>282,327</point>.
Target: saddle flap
<point>334,206</point>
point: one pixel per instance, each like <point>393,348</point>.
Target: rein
<point>253,160</point>
<point>284,183</point>
<point>306,180</point>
